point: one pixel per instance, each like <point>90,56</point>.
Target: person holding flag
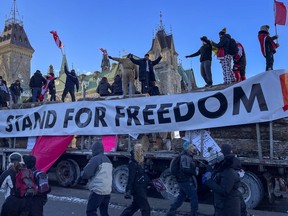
<point>71,81</point>
<point>36,83</point>
<point>267,45</point>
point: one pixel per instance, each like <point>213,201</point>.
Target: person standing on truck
<point>137,184</point>
<point>187,185</point>
<point>205,53</point>
<point>36,83</point>
<point>12,205</point>
<point>225,182</point>
<point>98,171</point>
<point>71,81</point>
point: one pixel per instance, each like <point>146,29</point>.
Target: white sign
<point>261,98</point>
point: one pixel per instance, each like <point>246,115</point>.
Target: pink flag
<point>48,149</point>
<point>103,50</point>
<point>281,16</point>
<point>57,39</point>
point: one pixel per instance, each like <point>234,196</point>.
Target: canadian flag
<point>56,39</point>
<point>45,88</point>
<point>281,17</point>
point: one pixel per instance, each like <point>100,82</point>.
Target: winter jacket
<point>223,43</point>
<point>205,53</point>
<point>7,181</point>
<point>37,80</point>
<point>98,171</point>
<point>16,89</point>
<point>71,80</point>
<point>103,88</point>
<point>225,186</point>
<point>142,67</point>
<point>51,86</point>
<point>187,168</point>
<point>267,44</point>
<point>240,57</point>
<point>116,87</point>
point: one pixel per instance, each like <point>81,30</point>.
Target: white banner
<point>261,98</point>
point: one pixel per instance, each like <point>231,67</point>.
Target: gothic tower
<point>15,50</point>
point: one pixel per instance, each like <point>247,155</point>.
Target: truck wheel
<point>251,189</point>
<point>77,171</point>
<point>120,178</point>
<point>66,173</point>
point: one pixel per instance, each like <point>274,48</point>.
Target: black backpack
<point>233,48</point>
<point>175,165</point>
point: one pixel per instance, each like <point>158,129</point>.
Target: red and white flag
<point>45,88</point>
<point>57,39</point>
<point>281,16</point>
<point>103,50</point>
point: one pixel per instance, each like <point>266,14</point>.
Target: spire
<point>14,17</point>
<point>161,26</point>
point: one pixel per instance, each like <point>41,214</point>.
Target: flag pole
<point>276,32</point>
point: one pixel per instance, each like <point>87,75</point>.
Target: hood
<point>137,154</point>
<point>97,148</point>
<point>231,161</point>
<point>117,79</point>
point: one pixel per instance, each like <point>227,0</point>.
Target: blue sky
<point>85,26</point>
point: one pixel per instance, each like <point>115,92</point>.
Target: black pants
<point>71,92</point>
<point>38,205</point>
<point>96,201</point>
<point>139,202</point>
<point>269,61</point>
<point>145,83</point>
<point>14,206</point>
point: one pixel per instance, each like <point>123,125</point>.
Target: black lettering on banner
<point>188,115</point>
<point>68,117</point>
<point>100,113</point>
<point>51,114</point>
<point>216,114</point>
<point>119,114</point>
<point>9,127</point>
<point>147,112</point>
<point>39,120</point>
<point>256,92</point>
<point>161,111</point>
<point>17,122</point>
<point>132,113</point>
<point>27,123</point>
<point>78,117</point>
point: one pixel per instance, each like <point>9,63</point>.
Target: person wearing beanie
<point>70,83</point>
<point>98,171</point>
<point>239,63</point>
<point>267,45</point>
<point>186,180</point>
<point>16,90</point>
<point>36,83</point>
<point>137,184</point>
<point>205,53</point>
<point>225,58</point>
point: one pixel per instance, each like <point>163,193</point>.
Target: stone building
<point>15,50</point>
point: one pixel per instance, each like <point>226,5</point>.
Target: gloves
<point>110,57</point>
<point>127,195</point>
<point>206,177</point>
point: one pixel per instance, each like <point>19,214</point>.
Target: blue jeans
<point>36,93</point>
<point>187,189</point>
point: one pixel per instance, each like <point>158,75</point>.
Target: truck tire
<point>120,179</point>
<point>251,189</point>
<point>67,173</point>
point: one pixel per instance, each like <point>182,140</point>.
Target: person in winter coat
<point>268,46</point>
<point>4,93</point>
<point>116,87</point>
<point>128,74</point>
<point>137,184</point>
<point>71,82</point>
<point>12,206</point>
<point>205,53</point>
<point>225,183</point>
<point>36,83</point>
<point>186,182</point>
<point>98,171</point>
<point>104,87</point>
<point>239,63</point>
<point>146,70</point>
<point>226,59</point>
<point>51,86</point>
<point>16,91</point>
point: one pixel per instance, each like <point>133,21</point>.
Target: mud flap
<point>270,186</point>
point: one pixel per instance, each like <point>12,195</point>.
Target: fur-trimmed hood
<point>137,154</point>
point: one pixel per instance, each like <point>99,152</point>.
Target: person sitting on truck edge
<point>225,182</point>
<point>104,87</point>
<point>71,81</point>
<point>12,206</point>
<point>98,171</point>
<point>137,184</point>
<point>187,185</point>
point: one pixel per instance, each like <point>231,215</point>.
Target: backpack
<point>41,179</point>
<point>175,165</point>
<point>25,184</point>
<point>233,48</point>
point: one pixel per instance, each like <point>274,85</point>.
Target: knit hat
<point>29,161</point>
<point>204,38</point>
<point>223,31</point>
<point>15,156</point>
<point>264,28</point>
<point>226,149</point>
<point>187,145</point>
<point>97,148</point>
